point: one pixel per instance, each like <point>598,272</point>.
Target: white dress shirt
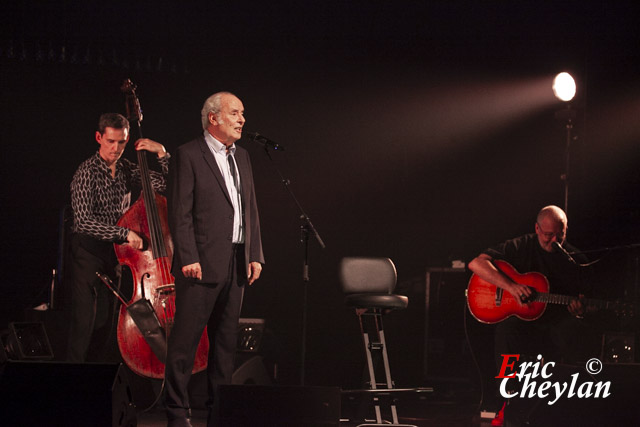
<point>219,151</point>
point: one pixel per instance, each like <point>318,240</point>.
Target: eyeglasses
<point>549,235</point>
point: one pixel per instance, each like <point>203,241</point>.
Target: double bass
<point>150,268</point>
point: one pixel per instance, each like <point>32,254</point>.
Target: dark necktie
<point>236,180</point>
<point>232,169</point>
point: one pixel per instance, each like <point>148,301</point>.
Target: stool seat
<point>381,301</point>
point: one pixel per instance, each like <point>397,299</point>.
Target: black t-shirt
<point>525,254</point>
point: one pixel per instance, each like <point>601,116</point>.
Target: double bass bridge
<point>165,298</point>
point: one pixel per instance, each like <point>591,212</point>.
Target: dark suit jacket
<point>201,214</point>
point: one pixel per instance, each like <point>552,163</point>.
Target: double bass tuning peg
<point>134,112</point>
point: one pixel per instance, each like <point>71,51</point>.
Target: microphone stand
<point>608,249</point>
<point>306,229</point>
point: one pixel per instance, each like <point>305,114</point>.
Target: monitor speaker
<point>26,341</point>
<point>39,393</point>
<point>281,406</point>
<point>250,369</point>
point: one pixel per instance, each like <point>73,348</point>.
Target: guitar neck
<point>566,300</point>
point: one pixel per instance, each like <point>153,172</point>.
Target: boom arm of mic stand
<point>303,216</point>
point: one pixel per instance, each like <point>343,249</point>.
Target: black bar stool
<point>369,284</point>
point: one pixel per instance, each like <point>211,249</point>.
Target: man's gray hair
<point>213,104</point>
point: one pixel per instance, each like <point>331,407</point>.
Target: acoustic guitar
<point>490,304</point>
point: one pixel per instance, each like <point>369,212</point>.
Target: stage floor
<point>433,414</point>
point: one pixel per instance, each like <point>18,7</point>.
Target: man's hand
<point>134,240</point>
<point>483,266</point>
<point>520,292</point>
<point>576,307</point>
<point>253,273</point>
<point>151,146</point>
<point>192,270</point>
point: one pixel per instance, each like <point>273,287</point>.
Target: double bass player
<point>100,195</point>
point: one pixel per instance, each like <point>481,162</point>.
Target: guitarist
<point>556,334</point>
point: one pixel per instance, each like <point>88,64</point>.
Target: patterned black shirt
<point>98,200</point>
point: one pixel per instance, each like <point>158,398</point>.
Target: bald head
<point>553,213</point>
<point>551,226</point>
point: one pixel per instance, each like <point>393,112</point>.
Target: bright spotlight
<point>564,87</point>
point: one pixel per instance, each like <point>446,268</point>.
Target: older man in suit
<point>213,216</point>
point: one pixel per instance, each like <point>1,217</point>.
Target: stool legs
<point>376,353</point>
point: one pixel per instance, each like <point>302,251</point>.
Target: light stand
<point>567,115</point>
<point>564,88</point>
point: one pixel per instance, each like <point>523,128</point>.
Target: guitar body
<point>490,304</point>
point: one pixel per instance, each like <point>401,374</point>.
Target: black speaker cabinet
<point>453,337</point>
<point>428,340</point>
<point>435,342</point>
<point>26,341</point>
<point>250,369</point>
<point>277,406</point>
<point>64,394</point>
<point>618,347</point>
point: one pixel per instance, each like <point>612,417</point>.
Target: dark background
<point>422,131</point>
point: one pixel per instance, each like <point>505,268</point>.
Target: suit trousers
<point>216,306</point>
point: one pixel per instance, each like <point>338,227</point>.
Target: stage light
<point>564,87</point>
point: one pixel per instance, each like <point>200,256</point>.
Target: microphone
<point>256,137</point>
<point>558,248</point>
